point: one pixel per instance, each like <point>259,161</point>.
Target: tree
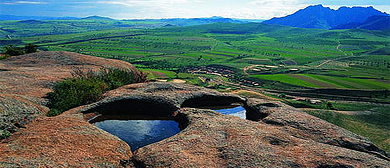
<point>329,105</point>
<point>30,48</point>
<point>12,50</point>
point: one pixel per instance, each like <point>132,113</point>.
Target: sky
<point>154,9</point>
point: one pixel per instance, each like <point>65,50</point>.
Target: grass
<point>228,44</point>
<point>4,134</point>
<point>159,74</point>
<point>3,57</point>
<point>366,119</point>
<point>351,83</point>
<point>286,79</point>
<point>374,126</point>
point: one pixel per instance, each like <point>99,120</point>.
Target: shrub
<point>4,134</point>
<point>53,112</point>
<point>13,51</point>
<point>3,57</point>
<point>75,92</point>
<point>30,48</point>
<point>87,86</point>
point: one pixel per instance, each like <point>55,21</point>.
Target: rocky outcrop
<point>305,126</point>
<point>32,74</point>
<point>215,140</point>
<point>63,141</point>
<point>156,99</point>
<point>17,111</point>
<point>25,79</point>
<point>276,135</point>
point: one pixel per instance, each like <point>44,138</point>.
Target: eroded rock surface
<point>33,74</point>
<point>63,141</point>
<point>215,140</point>
<point>25,79</point>
<point>17,111</point>
<point>161,99</point>
<point>279,135</point>
<point>276,135</point>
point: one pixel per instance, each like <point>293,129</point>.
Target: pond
<point>139,133</point>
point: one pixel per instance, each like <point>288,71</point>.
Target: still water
<point>238,111</point>
<point>139,133</point>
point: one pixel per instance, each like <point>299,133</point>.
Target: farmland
<point>277,62</point>
<point>304,58</point>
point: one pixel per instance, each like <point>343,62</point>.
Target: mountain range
<point>377,22</point>
<point>316,16</point>
<point>321,17</point>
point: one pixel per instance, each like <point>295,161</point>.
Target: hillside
<point>377,22</point>
<point>320,17</point>
<point>57,26</point>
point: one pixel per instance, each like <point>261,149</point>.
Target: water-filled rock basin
<point>238,111</point>
<point>233,109</point>
<point>139,133</point>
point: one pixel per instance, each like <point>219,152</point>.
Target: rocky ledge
<point>277,135</point>
<point>25,79</point>
<point>273,135</point>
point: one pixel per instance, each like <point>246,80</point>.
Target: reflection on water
<point>238,111</point>
<point>139,133</point>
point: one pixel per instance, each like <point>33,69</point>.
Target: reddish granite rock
<point>215,140</point>
<point>276,136</point>
<point>25,79</point>
<point>33,74</point>
<point>63,141</point>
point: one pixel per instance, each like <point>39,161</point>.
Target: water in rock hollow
<point>235,111</point>
<point>139,133</point>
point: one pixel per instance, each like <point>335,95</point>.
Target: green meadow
<point>291,57</point>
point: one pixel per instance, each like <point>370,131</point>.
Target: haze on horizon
<point>155,9</point>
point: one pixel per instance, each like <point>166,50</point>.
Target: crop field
<point>324,81</point>
<point>308,58</point>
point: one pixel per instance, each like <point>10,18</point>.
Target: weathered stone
<point>215,140</point>
<point>16,111</point>
<point>63,141</point>
<point>26,79</point>
<point>305,126</point>
<point>166,98</point>
<point>276,135</point>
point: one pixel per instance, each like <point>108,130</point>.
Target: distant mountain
<point>13,17</point>
<point>378,22</point>
<point>32,21</point>
<point>190,21</point>
<point>97,18</point>
<point>251,20</point>
<point>321,17</point>
<point>197,21</point>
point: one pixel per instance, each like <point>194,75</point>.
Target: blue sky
<point>131,9</point>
